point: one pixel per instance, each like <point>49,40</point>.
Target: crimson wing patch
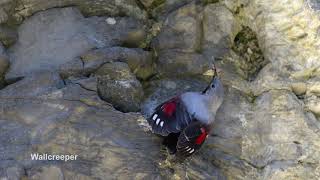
<point>191,139</point>
<point>169,117</point>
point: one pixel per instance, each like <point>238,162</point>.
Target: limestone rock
<point>8,36</point>
<point>72,68</point>
<point>118,86</point>
<point>315,4</point>
<point>40,123</point>
<point>299,88</point>
<point>219,29</point>
<point>148,3</point>
<point>119,31</point>
<point>139,61</point>
<point>4,61</point>
<point>33,85</point>
<point>50,173</point>
<point>49,39</point>
<point>25,8</point>
<point>176,63</point>
<point>3,15</point>
<point>181,30</point>
<point>161,9</point>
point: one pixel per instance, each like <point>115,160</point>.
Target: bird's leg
<point>171,142</point>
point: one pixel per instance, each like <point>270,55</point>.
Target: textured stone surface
<point>119,31</point>
<point>74,107</point>
<point>219,28</point>
<point>181,30</point>
<point>8,36</point>
<point>176,63</point>
<point>315,4</point>
<point>139,61</point>
<point>118,86</point>
<point>25,8</point>
<point>49,39</point>
<point>4,60</point>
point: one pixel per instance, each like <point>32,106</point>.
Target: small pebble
<point>111,21</point>
<point>299,88</point>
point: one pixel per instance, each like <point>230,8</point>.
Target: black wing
<point>170,117</point>
<point>191,139</point>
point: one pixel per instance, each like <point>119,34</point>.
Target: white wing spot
<point>161,124</point>
<point>187,147</point>
<point>191,151</point>
<point>154,117</point>
<point>158,120</point>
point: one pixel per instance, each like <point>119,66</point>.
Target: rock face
<point>49,39</point>
<point>8,36</point>
<point>4,64</point>
<point>117,85</point>
<point>119,31</point>
<point>4,60</point>
<point>25,8</point>
<point>139,61</point>
<point>49,115</point>
<point>219,26</point>
<point>181,30</point>
<point>84,78</point>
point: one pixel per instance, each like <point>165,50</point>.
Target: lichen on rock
<point>251,59</point>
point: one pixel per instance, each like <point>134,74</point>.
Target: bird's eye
<point>212,86</point>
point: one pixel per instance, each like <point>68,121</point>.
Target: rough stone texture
<point>22,9</point>
<point>8,36</point>
<point>49,39</point>
<point>147,3</point>
<point>139,61</point>
<point>315,4</point>
<point>4,64</point>
<point>3,16</point>
<point>160,9</point>
<point>39,123</point>
<point>33,85</point>
<point>119,31</point>
<point>175,64</point>
<point>181,30</point>
<point>219,28</point>
<point>4,61</point>
<point>118,86</point>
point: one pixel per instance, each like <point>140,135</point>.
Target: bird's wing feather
<point>170,117</point>
<point>191,139</point>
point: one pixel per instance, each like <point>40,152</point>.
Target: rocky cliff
<point>80,76</point>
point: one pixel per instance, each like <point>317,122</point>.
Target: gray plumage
<point>203,106</point>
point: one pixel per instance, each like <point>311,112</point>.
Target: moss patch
<point>205,2</point>
<point>251,59</point>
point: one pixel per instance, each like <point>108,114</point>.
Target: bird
<point>185,121</point>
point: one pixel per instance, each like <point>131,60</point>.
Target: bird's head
<point>215,88</point>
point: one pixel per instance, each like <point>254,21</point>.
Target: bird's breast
<point>197,107</point>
